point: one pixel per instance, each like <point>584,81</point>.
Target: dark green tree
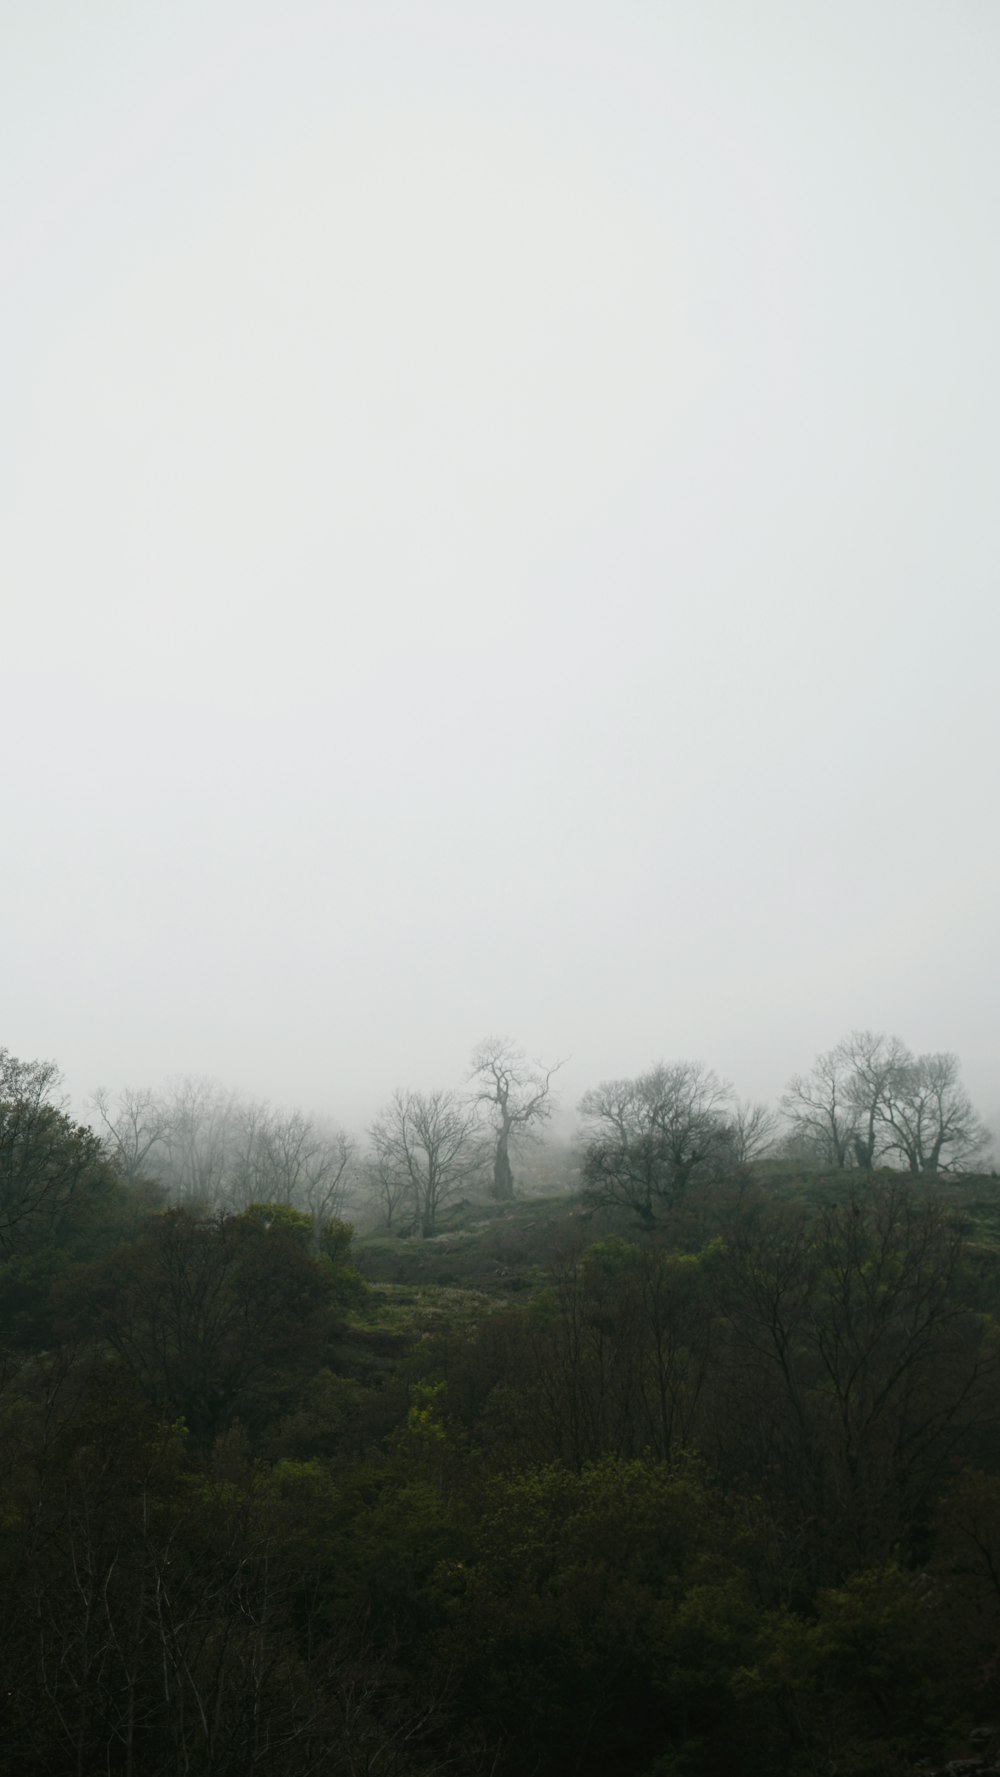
<point>216,1318</point>
<point>53,1173</point>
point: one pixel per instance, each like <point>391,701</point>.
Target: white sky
<point>498,532</point>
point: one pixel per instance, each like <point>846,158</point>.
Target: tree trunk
<point>503,1178</point>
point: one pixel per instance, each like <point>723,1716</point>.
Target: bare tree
<point>384,1184</point>
<point>930,1118</point>
<point>515,1095</point>
<point>820,1110</point>
<point>206,1144</point>
<point>429,1145</point>
<point>247,1157</point>
<point>198,1139</point>
<point>325,1187</point>
<point>874,1065</point>
<point>287,1157</point>
<point>655,1136</point>
<point>135,1125</point>
<point>752,1132</point>
<point>870,1098</point>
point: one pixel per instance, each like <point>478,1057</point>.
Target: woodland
<point>669,1451</point>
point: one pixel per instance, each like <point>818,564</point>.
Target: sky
<point>498,533</point>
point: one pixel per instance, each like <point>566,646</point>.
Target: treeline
<point>725,1493</point>
<point>868,1102</point>
<point>203,1144</point>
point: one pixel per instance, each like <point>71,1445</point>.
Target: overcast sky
<point>500,532</point>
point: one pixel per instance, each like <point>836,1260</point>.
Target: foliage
<point>214,1318</point>
<point>53,1176</point>
<point>717,1491</point>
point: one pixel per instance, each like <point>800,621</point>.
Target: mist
<point>499,535</point>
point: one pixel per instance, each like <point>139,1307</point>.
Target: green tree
<point>216,1318</point>
<point>53,1173</point>
<point>853,1374</point>
<point>567,1618</point>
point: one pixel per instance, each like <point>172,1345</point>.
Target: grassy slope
<point>487,1255</point>
<point>500,1249</point>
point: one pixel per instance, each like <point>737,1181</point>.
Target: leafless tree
<point>135,1124</point>
<point>246,1163</point>
<point>200,1115</point>
<point>930,1119</point>
<point>312,1161</point>
<point>874,1064</point>
<point>430,1145</point>
<point>653,1137</point>
<point>515,1095</point>
<point>206,1144</point>
<point>753,1130</point>
<point>820,1111</point>
<point>287,1157</point>
<point>870,1098</point>
<point>384,1185</point>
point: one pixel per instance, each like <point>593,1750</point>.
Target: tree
<point>655,1136</point>
<point>821,1112</point>
<point>929,1117</point>
<point>50,1167</point>
<point>135,1125</point>
<point>515,1095</point>
<point>385,1183</point>
<point>870,1098</point>
<point>287,1158</point>
<point>752,1131</point>
<point>858,1371</point>
<point>214,1317</point>
<point>601,1619</point>
<point>188,1137</point>
<point>874,1064</point>
<point>429,1144</point>
<point>198,1139</point>
<point>212,1146</point>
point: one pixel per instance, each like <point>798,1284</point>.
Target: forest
<point>668,1450</point>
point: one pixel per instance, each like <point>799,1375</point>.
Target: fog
<point>499,534</point>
